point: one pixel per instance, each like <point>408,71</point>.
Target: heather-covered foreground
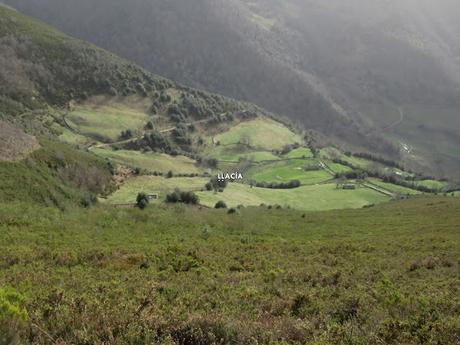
<point>381,275</point>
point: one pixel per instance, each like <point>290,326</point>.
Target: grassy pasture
<point>287,170</point>
<point>260,133</point>
<point>338,168</point>
<point>154,184</point>
<point>150,161</point>
<point>313,198</point>
<point>106,121</point>
<point>392,187</point>
<point>233,153</point>
<point>432,184</point>
<point>301,152</point>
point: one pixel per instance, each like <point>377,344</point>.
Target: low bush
<point>179,196</point>
<point>220,204</point>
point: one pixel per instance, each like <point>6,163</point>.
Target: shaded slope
<point>342,67</point>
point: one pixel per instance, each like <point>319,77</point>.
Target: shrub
<point>142,201</point>
<point>173,197</point>
<point>12,316</point>
<point>232,211</point>
<point>220,204</point>
<point>182,197</point>
<point>189,198</point>
<point>128,134</point>
<point>88,200</point>
<point>149,125</point>
<point>217,184</point>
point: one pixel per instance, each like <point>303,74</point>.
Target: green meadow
<point>233,153</point>
<point>287,170</point>
<point>150,161</point>
<point>106,121</point>
<point>261,133</point>
<point>127,193</point>
<point>312,198</point>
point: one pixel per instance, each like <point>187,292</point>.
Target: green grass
<point>392,187</point>
<point>154,184</point>
<point>106,122</point>
<point>288,170</point>
<point>73,138</point>
<point>55,174</point>
<point>432,184</point>
<point>261,133</point>
<point>180,275</point>
<point>313,198</point>
<point>301,152</point>
<point>150,161</point>
<point>234,153</point>
<point>338,168</point>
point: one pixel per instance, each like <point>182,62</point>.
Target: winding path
<point>165,130</point>
<point>391,125</point>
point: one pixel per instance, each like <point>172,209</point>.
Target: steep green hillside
<point>55,175</point>
<point>345,68</point>
<point>180,275</point>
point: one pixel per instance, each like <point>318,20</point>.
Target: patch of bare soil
<point>15,144</point>
<point>122,174</point>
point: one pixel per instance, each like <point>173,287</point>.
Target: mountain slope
<point>345,68</point>
<point>44,74</point>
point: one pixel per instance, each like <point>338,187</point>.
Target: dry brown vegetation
<point>14,143</point>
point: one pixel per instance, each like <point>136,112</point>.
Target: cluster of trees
<point>208,162</point>
<point>125,135</point>
<point>277,185</point>
<point>356,174</point>
<point>408,184</point>
<point>154,141</point>
<point>181,135</point>
<point>179,196</point>
<point>216,185</point>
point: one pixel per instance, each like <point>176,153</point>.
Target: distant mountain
<point>347,68</point>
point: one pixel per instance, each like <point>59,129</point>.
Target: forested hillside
<point>366,72</point>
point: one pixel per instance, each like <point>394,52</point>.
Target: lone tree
<point>142,201</point>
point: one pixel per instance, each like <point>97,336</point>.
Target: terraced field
<point>301,152</point>
<point>261,133</point>
<point>106,121</point>
<point>392,187</point>
<point>152,185</point>
<point>150,161</point>
<point>233,153</point>
<point>312,198</point>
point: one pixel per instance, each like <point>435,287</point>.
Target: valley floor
<point>188,275</point>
